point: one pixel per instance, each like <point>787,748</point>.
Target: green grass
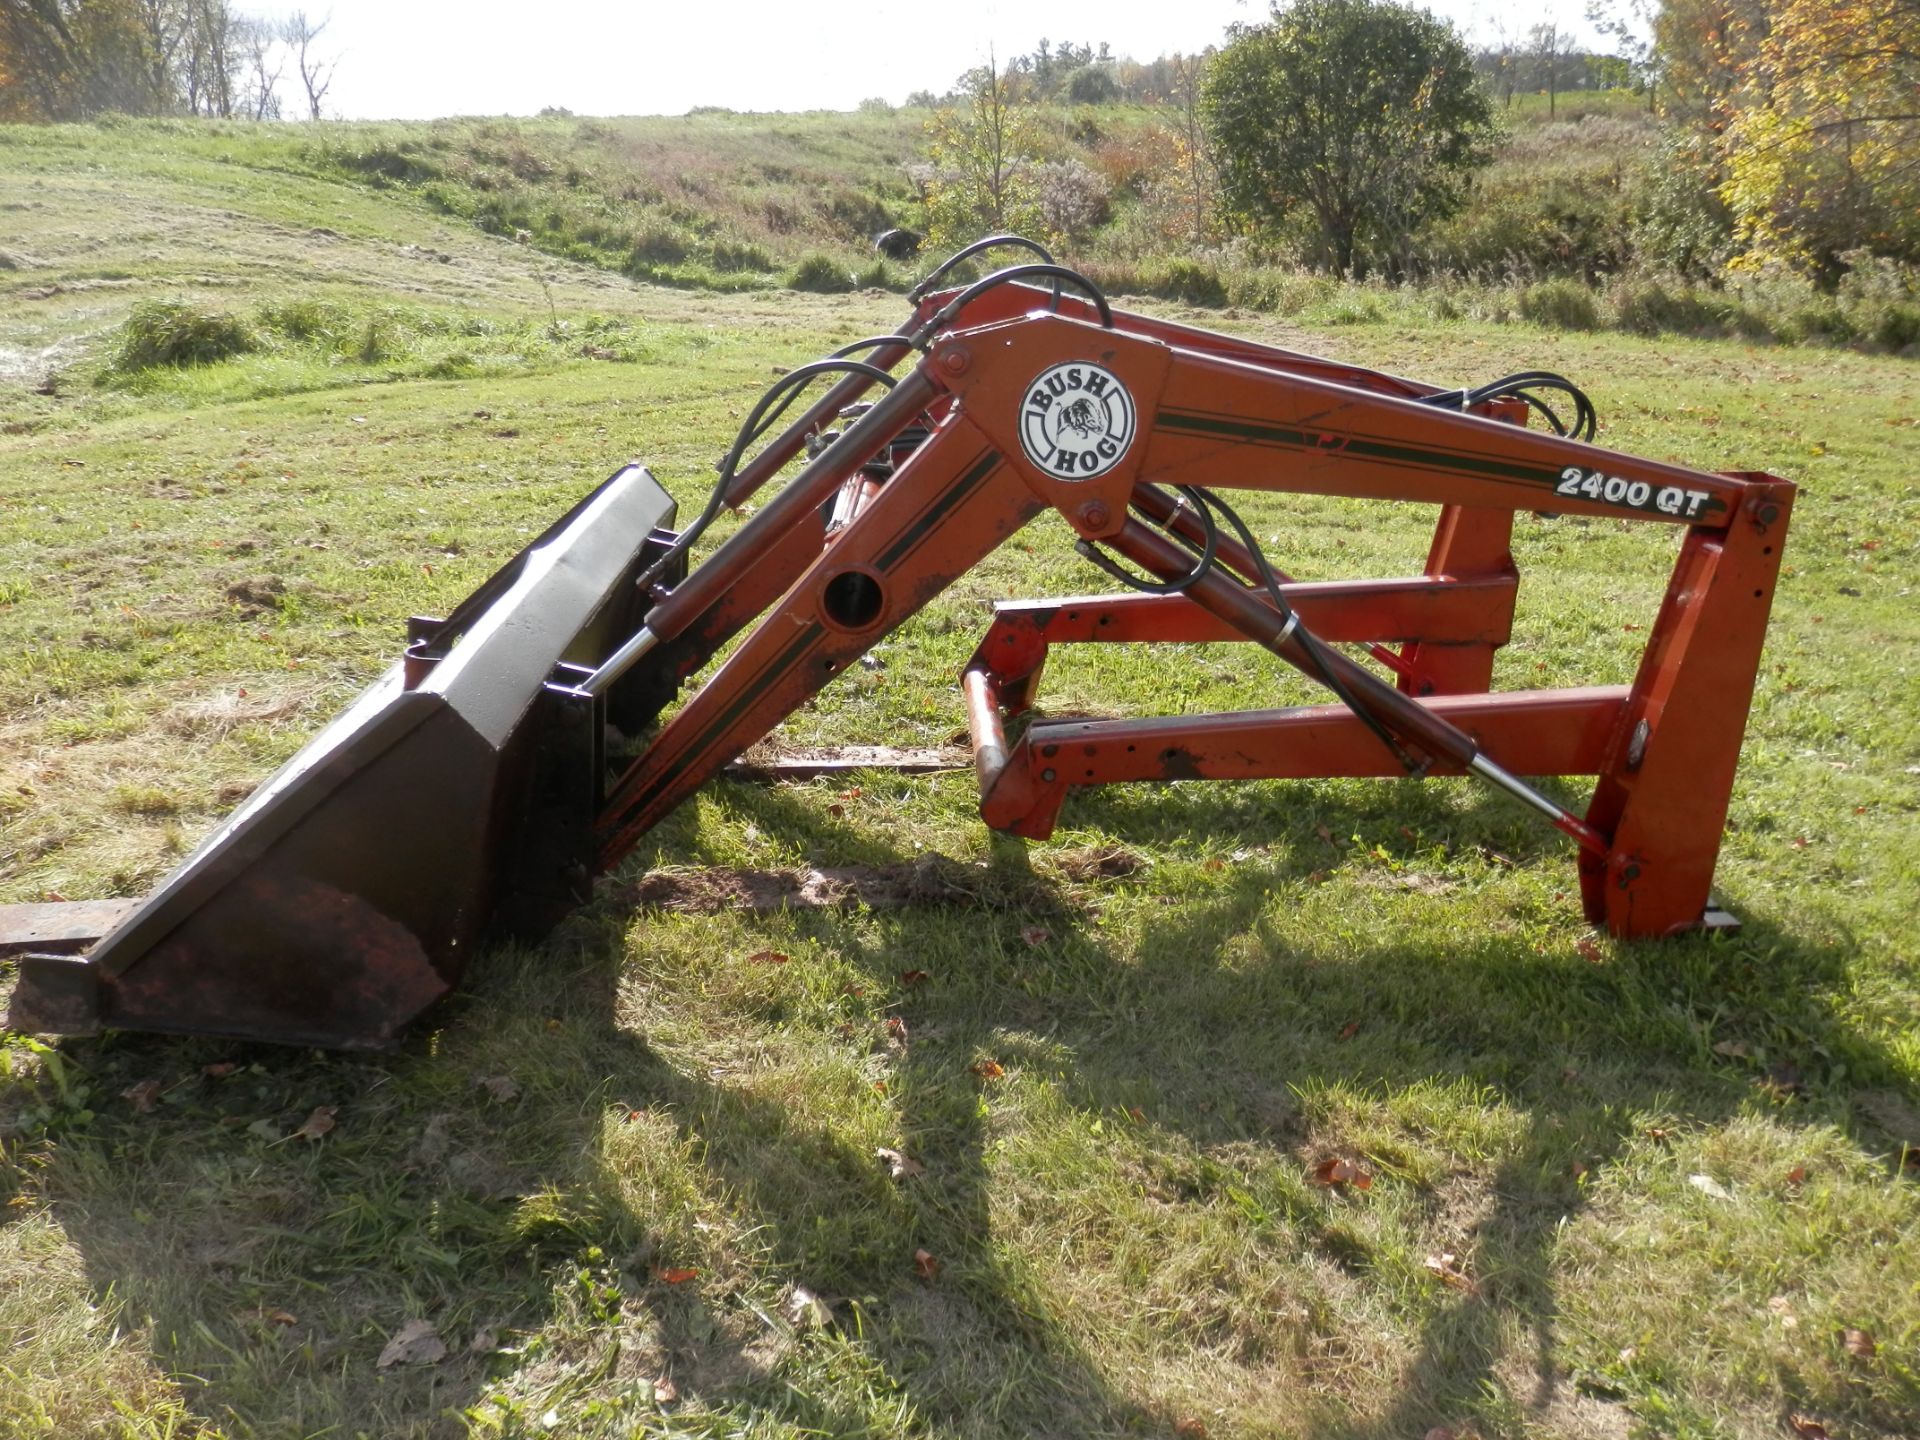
<point>199,564</point>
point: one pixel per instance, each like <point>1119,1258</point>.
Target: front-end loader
<point>470,794</point>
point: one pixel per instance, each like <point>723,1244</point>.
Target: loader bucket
<point>452,802</point>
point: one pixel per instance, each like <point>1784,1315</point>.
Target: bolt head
<point>1095,515</point>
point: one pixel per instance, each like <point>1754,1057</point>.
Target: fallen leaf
<point>897,1030</point>
<point>1658,1133</point>
<point>414,1343</point>
<point>485,1341</point>
<point>806,1310</point>
<point>220,1071</point>
<point>914,977</point>
<point>1191,1428</point>
<point>144,1097</point>
<point>988,1069</point>
<point>317,1124</point>
<point>1441,1265</point>
<point>1709,1187</point>
<point>1807,1427</point>
<point>925,1266</point>
<point>899,1166</point>
<point>1136,1114</point>
<point>1732,1049</point>
<point>270,1316</point>
<point>1796,1175</point>
<point>665,1392</point>
<point>1035,935</point>
<point>1781,1308</point>
<point>501,1087</point>
<point>1336,1172</point>
<point>768,957</point>
<point>1350,1029</point>
<point>675,1274</point>
<point>1589,950</point>
<point>1859,1344</point>
<point>1325,834</point>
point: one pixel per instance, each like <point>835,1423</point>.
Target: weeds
<point>821,274</point>
<point>172,332</point>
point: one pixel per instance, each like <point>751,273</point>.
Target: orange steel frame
<point>1228,413</point>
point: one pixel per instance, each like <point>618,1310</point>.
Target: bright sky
<point>416,59</point>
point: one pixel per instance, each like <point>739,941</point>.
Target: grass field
<point>630,1178</point>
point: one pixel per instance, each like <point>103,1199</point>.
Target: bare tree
<point>316,73</point>
<point>1548,47</point>
<point>266,59</point>
<point>1189,78</point>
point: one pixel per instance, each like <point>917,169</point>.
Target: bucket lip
<point>587,552</point>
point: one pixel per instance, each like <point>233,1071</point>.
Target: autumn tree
<point>1363,114</point>
<point>1821,137</point>
<point>981,175</point>
<point>69,59</point>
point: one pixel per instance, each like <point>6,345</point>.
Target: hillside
<point>637,1179</point>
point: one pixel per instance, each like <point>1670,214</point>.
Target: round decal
<point>1076,421</point>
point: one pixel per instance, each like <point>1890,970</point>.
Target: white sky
<point>416,59</point>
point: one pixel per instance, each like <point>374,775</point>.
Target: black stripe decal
<point>1185,422</point>
<point>750,693</point>
<point>938,511</point>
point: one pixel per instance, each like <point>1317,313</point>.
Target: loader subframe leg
<point>1667,780</point>
<point>1468,544</point>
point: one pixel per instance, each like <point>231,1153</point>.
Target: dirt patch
<point>219,715</point>
<point>770,760</point>
<point>1107,862</point>
<point>931,880</point>
<point>258,595</point>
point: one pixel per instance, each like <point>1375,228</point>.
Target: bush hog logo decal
<point>1077,421</point>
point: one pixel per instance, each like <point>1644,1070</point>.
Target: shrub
<point>1560,305</point>
<point>1897,326</point>
<point>733,255</point>
<point>1073,199</point>
<point>655,245</point>
<point>1648,307</point>
<point>822,274</point>
<point>1191,282</point>
<point>168,332</point>
<point>301,320</point>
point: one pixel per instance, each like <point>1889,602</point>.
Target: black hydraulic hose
<point>1315,647</point>
<point>872,342</point>
<point>1520,386</point>
<point>966,297</point>
<point>1205,561</point>
<point>992,242</point>
<point>784,390</point>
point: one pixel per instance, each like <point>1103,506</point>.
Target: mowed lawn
<point>1042,1157</point>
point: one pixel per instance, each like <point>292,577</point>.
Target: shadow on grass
<point>273,1269</point>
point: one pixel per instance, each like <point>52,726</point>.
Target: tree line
<point>64,60</point>
<point>1789,129</point>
